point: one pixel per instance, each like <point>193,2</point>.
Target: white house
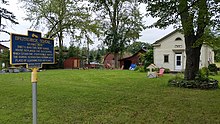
<point>169,52</point>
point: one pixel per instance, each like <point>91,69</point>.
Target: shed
<point>72,63</point>
<point>109,60</point>
<point>2,47</point>
<point>134,59</point>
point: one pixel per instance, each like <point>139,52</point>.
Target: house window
<point>166,58</point>
<point>178,39</point>
<point>1,50</point>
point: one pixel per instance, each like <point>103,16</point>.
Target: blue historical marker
<point>31,50</point>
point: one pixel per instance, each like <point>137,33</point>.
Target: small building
<point>72,63</point>
<point>134,59</point>
<point>169,52</point>
<point>109,60</point>
<point>2,47</point>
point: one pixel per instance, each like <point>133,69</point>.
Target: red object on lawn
<point>161,71</point>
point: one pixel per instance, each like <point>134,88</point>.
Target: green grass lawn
<point>104,96</point>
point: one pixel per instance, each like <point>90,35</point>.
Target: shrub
<point>167,70</point>
<point>137,68</point>
<point>202,81</point>
<point>203,74</point>
<point>176,81</point>
<point>142,69</point>
<point>213,68</point>
<point>210,84</point>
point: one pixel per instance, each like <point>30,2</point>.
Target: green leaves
<point>121,22</point>
<point>193,17</point>
<point>136,46</point>
<point>61,18</point>
<point>166,12</point>
<point>147,58</point>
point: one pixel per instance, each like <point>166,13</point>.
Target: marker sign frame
<point>31,50</point>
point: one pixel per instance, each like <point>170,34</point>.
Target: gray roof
<point>3,46</point>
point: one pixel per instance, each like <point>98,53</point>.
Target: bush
<point>213,68</point>
<point>167,70</point>
<point>203,74</point>
<point>176,81</point>
<point>202,81</point>
<point>210,84</point>
<point>142,69</point>
<point>137,68</point>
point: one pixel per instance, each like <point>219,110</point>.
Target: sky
<point>148,35</point>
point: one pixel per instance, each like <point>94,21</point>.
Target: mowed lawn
<point>104,96</point>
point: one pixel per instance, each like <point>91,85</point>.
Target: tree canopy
<point>61,18</point>
<point>193,17</point>
<point>136,46</point>
<point>121,23</point>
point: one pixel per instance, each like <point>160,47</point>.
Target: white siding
<point>207,56</point>
<point>170,46</point>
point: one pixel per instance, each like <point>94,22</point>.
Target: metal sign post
<point>34,94</point>
<point>33,51</point>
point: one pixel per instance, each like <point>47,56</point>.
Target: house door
<point>178,61</point>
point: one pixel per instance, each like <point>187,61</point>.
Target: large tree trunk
<point>116,59</point>
<point>88,54</point>
<point>192,58</point>
<point>192,53</point>
<point>60,50</point>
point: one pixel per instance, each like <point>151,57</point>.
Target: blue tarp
<point>132,67</point>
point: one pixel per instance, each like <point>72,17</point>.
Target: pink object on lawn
<point>161,71</point>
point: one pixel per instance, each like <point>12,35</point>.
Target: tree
<point>73,52</point>
<point>54,14</point>
<point>7,15</point>
<point>91,58</point>
<point>88,28</point>
<point>136,46</point>
<point>98,57</point>
<point>193,17</point>
<point>102,50</point>
<point>121,21</point>
<point>59,17</point>
<point>147,58</point>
